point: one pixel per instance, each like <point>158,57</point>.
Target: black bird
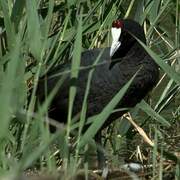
<point>119,63</point>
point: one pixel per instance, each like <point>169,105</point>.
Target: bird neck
<point>127,54</point>
<point>137,51</point>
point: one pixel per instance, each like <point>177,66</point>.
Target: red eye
<point>117,24</point>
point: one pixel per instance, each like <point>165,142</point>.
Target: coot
<point>118,64</point>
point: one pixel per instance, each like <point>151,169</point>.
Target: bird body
<point>115,69</point>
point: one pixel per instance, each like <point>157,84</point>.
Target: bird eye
<point>117,24</point>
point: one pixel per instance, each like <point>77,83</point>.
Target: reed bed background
<point>36,36</point>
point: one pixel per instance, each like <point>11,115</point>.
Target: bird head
<point>123,32</point>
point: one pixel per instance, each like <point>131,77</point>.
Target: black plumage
<point>108,78</point>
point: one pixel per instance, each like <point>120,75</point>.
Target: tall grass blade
<point>8,24</point>
<point>8,90</point>
<point>146,108</point>
<point>75,64</point>
<point>17,13</point>
<point>33,27</point>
